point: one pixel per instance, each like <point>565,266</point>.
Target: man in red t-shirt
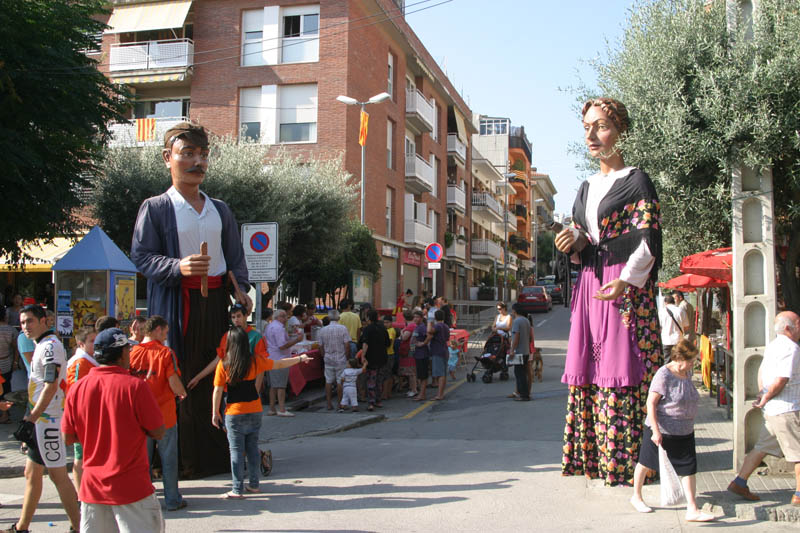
<point>111,413</point>
<point>158,366</point>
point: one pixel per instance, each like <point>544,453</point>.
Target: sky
<point>518,59</point>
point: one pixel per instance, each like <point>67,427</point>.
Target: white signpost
<point>260,243</point>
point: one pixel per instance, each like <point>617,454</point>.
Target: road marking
<point>427,404</point>
<point>542,322</point>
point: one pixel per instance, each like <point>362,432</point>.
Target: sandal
<point>232,496</point>
<point>266,462</point>
<point>371,408</point>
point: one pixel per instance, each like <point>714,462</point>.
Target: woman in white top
<point>614,343</point>
<point>502,323</point>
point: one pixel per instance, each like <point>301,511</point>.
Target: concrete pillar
<point>754,298</point>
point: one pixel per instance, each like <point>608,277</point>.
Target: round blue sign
<point>434,252</point>
<point>259,242</point>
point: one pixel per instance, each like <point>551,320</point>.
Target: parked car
<point>555,292</point>
<point>534,298</point>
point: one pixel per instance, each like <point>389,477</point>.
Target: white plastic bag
<point>671,488</point>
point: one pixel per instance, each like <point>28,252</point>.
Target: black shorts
<point>422,368</point>
<point>680,450</point>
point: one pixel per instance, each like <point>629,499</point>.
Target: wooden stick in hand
<point>204,279</point>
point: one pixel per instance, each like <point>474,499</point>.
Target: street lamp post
<point>352,101</point>
<point>507,175</point>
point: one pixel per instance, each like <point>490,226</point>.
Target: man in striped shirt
<point>334,345</point>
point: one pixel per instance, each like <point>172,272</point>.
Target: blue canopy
<point>96,251</point>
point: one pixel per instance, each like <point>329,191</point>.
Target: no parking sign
<point>433,253</point>
<point>260,243</point>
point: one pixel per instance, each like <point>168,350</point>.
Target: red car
<point>534,298</point>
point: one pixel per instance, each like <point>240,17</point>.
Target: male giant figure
<point>166,249</point>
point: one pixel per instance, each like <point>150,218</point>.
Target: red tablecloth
<point>300,375</point>
<point>463,337</point>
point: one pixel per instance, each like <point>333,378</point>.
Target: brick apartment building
<point>272,69</point>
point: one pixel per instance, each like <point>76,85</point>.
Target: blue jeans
<point>243,440</point>
<point>353,349</point>
<point>168,452</point>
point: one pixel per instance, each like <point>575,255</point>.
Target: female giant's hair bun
<point>615,110</point>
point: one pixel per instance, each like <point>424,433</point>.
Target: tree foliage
<point>310,199</point>
<point>705,95</point>
<point>54,107</point>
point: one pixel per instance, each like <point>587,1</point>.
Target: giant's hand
<point>195,265</point>
<point>615,289</point>
<point>564,240</point>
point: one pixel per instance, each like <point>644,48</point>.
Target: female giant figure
<point>614,342</point>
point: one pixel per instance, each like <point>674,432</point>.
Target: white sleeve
<point>638,266</point>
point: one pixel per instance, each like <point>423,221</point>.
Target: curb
<point>367,420</point>
<point>762,511</point>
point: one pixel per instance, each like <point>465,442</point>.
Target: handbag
<point>671,488</point>
<point>26,432</point>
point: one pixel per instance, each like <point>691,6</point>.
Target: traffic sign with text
<point>260,243</point>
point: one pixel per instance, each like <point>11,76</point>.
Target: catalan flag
<point>145,129</point>
<point>362,133</point>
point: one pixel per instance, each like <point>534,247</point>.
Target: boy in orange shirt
<point>77,367</point>
<point>158,366</point>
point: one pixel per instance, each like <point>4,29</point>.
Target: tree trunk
<point>788,271</point>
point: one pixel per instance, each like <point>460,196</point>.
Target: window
<point>389,209</point>
<point>494,126</point>
<point>435,130</point>
<point>252,37</point>
<point>300,33</point>
<point>435,225</point>
<point>389,144</point>
<point>176,108</point>
<point>411,148</point>
<point>298,113</point>
<point>435,165</point>
<point>250,113</point>
<point>390,79</point>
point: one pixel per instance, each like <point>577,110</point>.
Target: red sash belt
<point>193,283</point>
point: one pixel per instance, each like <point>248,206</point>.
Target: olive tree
<point>708,90</point>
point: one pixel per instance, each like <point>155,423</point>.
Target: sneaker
<point>410,394</point>
<point>285,413</point>
<point>180,506</point>
<point>795,500</point>
<point>744,492</point>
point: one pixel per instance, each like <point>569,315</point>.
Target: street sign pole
<point>260,244</point>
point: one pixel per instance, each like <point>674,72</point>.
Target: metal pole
<point>505,241</point>
<point>363,179</point>
<point>257,320</point>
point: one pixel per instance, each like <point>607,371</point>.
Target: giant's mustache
<point>197,169</point>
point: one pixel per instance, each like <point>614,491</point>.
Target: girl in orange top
<point>237,372</point>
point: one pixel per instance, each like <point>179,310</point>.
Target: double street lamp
<point>352,101</point>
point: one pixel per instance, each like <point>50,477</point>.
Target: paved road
<point>474,462</point>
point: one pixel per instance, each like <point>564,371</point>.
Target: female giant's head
<point>604,121</point>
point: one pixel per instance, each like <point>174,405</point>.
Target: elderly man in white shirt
<point>674,324</point>
<point>334,345</point>
<point>779,397</point>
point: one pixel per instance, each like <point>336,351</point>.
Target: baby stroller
<point>493,359</point>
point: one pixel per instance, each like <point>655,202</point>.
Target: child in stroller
<point>492,359</point>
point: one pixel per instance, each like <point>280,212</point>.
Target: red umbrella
<point>712,263</point>
<point>690,282</point>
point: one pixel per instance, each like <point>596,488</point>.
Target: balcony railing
<point>521,211</point>
<point>151,55</point>
<point>419,174</point>
<point>419,111</point>
<point>143,131</point>
<point>484,200</point>
<point>418,233</point>
<point>456,198</point>
<point>512,260</point>
<point>457,250</point>
<point>456,148</point>
<point>510,221</point>
<point>484,248</point>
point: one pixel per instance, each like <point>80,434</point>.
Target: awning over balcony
<point>156,78</point>
<point>146,17</point>
<point>460,127</point>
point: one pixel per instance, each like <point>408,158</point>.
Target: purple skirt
<point>602,349</point>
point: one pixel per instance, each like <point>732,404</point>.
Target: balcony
<point>484,204</point>
<point>457,250</point>
<point>456,149</point>
<point>151,55</point>
<point>520,183</point>
<point>512,261</point>
<point>485,250</point>
<point>542,213</point>
<point>521,211</point>
<point>419,174</point>
<point>142,131</point>
<point>456,198</point>
<point>511,224</point>
<point>418,233</point>
<point>419,111</point>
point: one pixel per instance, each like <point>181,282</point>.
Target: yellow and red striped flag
<point>145,129</point>
<point>362,133</point>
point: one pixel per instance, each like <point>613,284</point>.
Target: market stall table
<point>300,375</point>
